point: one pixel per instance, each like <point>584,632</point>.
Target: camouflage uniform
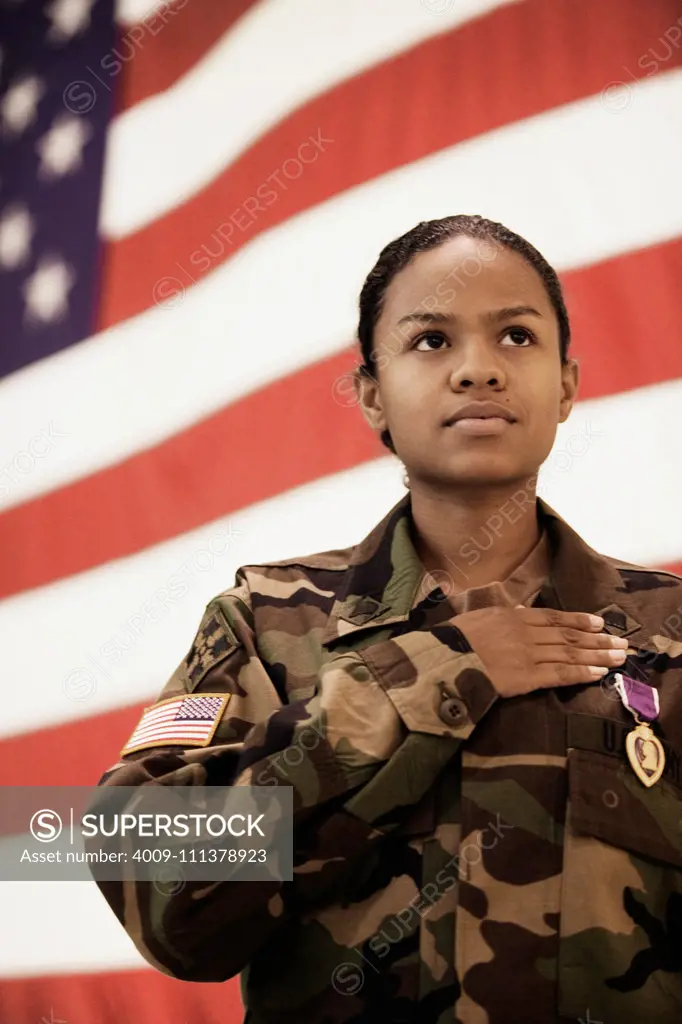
<point>458,856</point>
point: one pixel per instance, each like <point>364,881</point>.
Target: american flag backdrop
<point>191,195</point>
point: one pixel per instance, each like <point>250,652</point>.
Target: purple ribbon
<point>638,697</point>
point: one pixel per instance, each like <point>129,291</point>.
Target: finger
<point>542,635</point>
<point>567,675</point>
<point>550,654</point>
<point>558,618</point>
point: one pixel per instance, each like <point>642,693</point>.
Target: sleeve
<point>382,723</point>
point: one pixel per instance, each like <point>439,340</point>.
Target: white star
<point>68,17</point>
<point>61,148</point>
<point>46,290</point>
<point>19,103</point>
<point>16,230</point>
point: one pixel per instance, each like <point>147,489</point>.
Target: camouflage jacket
<point>458,856</point>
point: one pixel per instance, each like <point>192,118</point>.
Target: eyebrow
<point>493,316</point>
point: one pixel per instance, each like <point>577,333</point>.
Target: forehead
<point>465,274</point>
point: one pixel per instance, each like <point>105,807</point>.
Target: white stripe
<point>161,719</point>
<point>46,939</point>
<point>132,12</point>
<point>160,714</point>
<point>194,733</point>
<point>165,711</point>
<point>168,147</point>
<point>130,387</point>
<point>161,725</point>
<point>168,729</point>
<point>89,671</point>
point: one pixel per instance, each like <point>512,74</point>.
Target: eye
<point>430,335</point>
<point>525,335</point>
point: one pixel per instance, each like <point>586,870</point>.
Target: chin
<point>466,476</point>
<point>487,468</point>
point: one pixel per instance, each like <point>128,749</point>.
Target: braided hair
<point>429,234</point>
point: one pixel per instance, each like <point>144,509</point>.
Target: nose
<point>477,367</point>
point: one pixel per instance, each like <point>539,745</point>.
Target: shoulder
<point>335,560</point>
<point>320,570</point>
<point>260,597</point>
<point>645,575</point>
<point>656,592</point>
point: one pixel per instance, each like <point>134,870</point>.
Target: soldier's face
<point>440,343</point>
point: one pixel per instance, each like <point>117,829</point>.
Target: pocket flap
<point>610,803</point>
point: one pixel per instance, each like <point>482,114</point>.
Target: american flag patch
<point>188,721</point>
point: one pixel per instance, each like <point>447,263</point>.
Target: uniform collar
<point>385,579</point>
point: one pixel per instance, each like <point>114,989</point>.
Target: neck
<point>476,538</point>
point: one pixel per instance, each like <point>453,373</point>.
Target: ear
<point>570,375</point>
<point>369,399</point>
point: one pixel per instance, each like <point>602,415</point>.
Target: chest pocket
<point>620,945</point>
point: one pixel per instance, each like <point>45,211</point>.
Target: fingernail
<point>596,620</point>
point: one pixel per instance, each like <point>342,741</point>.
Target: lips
<point>481,410</point>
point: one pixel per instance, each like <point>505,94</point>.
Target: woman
<point>475,839</point>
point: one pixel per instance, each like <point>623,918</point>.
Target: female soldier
<point>481,833</point>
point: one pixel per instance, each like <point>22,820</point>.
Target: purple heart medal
<point>644,749</point>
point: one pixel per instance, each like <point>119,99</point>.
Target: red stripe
<point>167,732</point>
<point>620,309</point>
<point>436,95</point>
<point>142,997</point>
<point>625,320</point>
<point>189,733</point>
<point>90,522</point>
<point>155,53</point>
<point>78,753</point>
<point>160,715</point>
<point>75,753</point>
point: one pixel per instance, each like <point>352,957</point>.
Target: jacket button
<point>453,711</point>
